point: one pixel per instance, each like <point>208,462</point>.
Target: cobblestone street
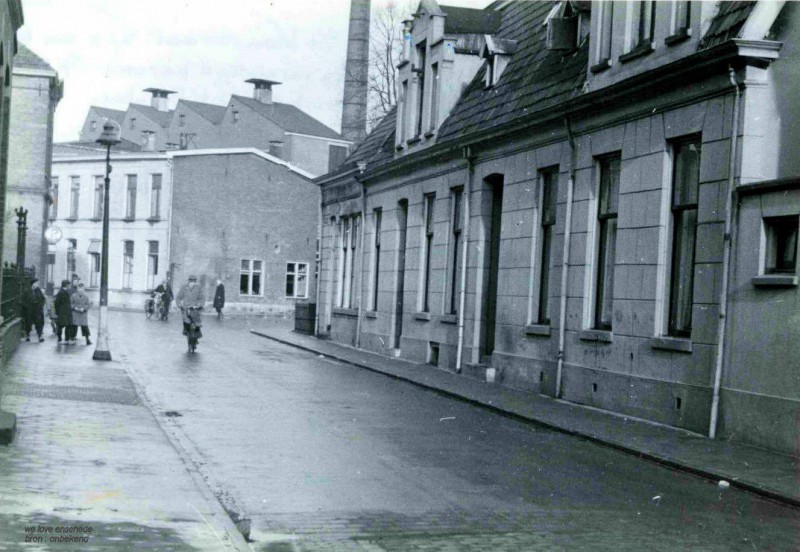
<point>324,456</point>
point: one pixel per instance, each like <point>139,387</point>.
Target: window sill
<point>775,280</point>
<point>371,314</point>
<point>415,140</point>
<point>349,313</point>
<point>127,219</point>
<point>72,219</point>
<point>449,319</point>
<point>154,219</point>
<point>403,64</point>
<point>601,66</point>
<point>398,147</point>
<point>680,35</point>
<point>679,344</point>
<point>96,219</point>
<point>598,336</point>
<point>430,134</point>
<point>639,51</point>
<point>538,329</point>
<point>422,316</point>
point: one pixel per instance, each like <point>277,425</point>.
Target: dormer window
<point>563,25</point>
<point>497,52</point>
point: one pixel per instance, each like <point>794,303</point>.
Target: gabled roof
<point>211,112</point>
<point>470,20</point>
<point>535,79</point>
<point>27,58</point>
<point>161,117</point>
<point>727,23</point>
<point>115,115</point>
<point>290,118</point>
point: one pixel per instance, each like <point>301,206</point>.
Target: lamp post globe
<point>108,138</point>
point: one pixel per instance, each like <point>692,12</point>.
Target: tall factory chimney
<point>354,109</point>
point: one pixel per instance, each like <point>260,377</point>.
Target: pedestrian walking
<point>63,308</point>
<point>219,298</point>
<point>80,308</point>
<point>33,310</point>
<point>72,330</point>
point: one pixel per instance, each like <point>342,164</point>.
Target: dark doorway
<point>495,183</point>
<point>402,223</point>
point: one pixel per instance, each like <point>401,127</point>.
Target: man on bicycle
<point>190,297</point>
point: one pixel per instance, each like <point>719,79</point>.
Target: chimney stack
<point>148,140</point>
<point>354,108</point>
<point>160,98</point>
<point>262,89</point>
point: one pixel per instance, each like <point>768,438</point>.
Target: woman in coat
<point>219,298</point>
<point>80,307</point>
<point>63,308</point>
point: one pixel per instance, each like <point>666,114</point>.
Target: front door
<point>402,223</point>
<point>495,225</point>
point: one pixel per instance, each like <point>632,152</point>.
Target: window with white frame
<point>74,196</point>
<point>548,179</point>
<point>94,270</point>
<point>607,207</point>
<point>606,28</point>
<point>404,104</point>
<point>434,96</point>
<point>456,245</point>
<point>99,188</point>
<point>250,277</point>
<point>127,264</point>
<point>155,196</point>
<point>53,211</point>
<point>181,120</point>
<point>681,17</point>
<point>130,197</point>
<point>72,246</point>
<point>297,280</point>
<point>781,252</point>
<point>419,68</point>
<point>376,256</point>
<point>644,20</point>
<point>428,227</point>
<point>351,245</point>
<point>133,123</point>
<point>685,192</point>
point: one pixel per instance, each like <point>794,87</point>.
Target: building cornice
<point>766,186</point>
<point>33,72</point>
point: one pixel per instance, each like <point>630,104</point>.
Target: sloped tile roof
<point>378,146</point>
<point>161,117</point>
<point>727,23</point>
<point>113,114</point>
<point>210,112</point>
<point>470,20</point>
<point>535,78</point>
<point>290,118</point>
<point>27,58</point>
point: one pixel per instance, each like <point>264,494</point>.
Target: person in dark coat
<point>219,298</point>
<point>63,307</point>
<point>33,310</point>
<point>72,330</point>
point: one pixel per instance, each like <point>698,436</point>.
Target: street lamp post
<point>110,137</point>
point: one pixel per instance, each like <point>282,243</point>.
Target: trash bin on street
<point>304,314</point>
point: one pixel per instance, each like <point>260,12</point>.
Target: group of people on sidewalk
<point>68,312</point>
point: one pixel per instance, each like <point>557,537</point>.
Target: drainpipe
<point>462,300</point>
<point>319,266</point>
<point>361,168</point>
<point>565,260</point>
<point>726,258</point>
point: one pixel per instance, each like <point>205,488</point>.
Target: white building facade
<point>139,207</point>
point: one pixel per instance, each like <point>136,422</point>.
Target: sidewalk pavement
<point>92,466</point>
<point>769,474</point>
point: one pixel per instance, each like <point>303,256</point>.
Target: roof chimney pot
<point>262,89</point>
<point>160,98</point>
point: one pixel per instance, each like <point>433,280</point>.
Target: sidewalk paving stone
<point>767,473</point>
<point>89,454</point>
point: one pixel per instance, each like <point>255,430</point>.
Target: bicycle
<point>194,333</point>
<point>149,307</point>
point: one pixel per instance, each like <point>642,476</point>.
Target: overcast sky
<point>108,51</point>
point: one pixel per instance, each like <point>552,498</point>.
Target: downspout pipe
<point>726,258</point>
<point>462,300</point>
<point>562,320</point>
<point>319,266</point>
<point>361,261</point>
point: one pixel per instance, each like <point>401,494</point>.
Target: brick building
<point>549,204</point>
<point>36,91</point>
<point>246,218</point>
<point>280,129</point>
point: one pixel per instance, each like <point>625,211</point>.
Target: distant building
<point>550,204</point>
<point>238,215</point>
<point>35,93</point>
<point>282,130</point>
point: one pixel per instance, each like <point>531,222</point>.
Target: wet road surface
<point>325,456</point>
